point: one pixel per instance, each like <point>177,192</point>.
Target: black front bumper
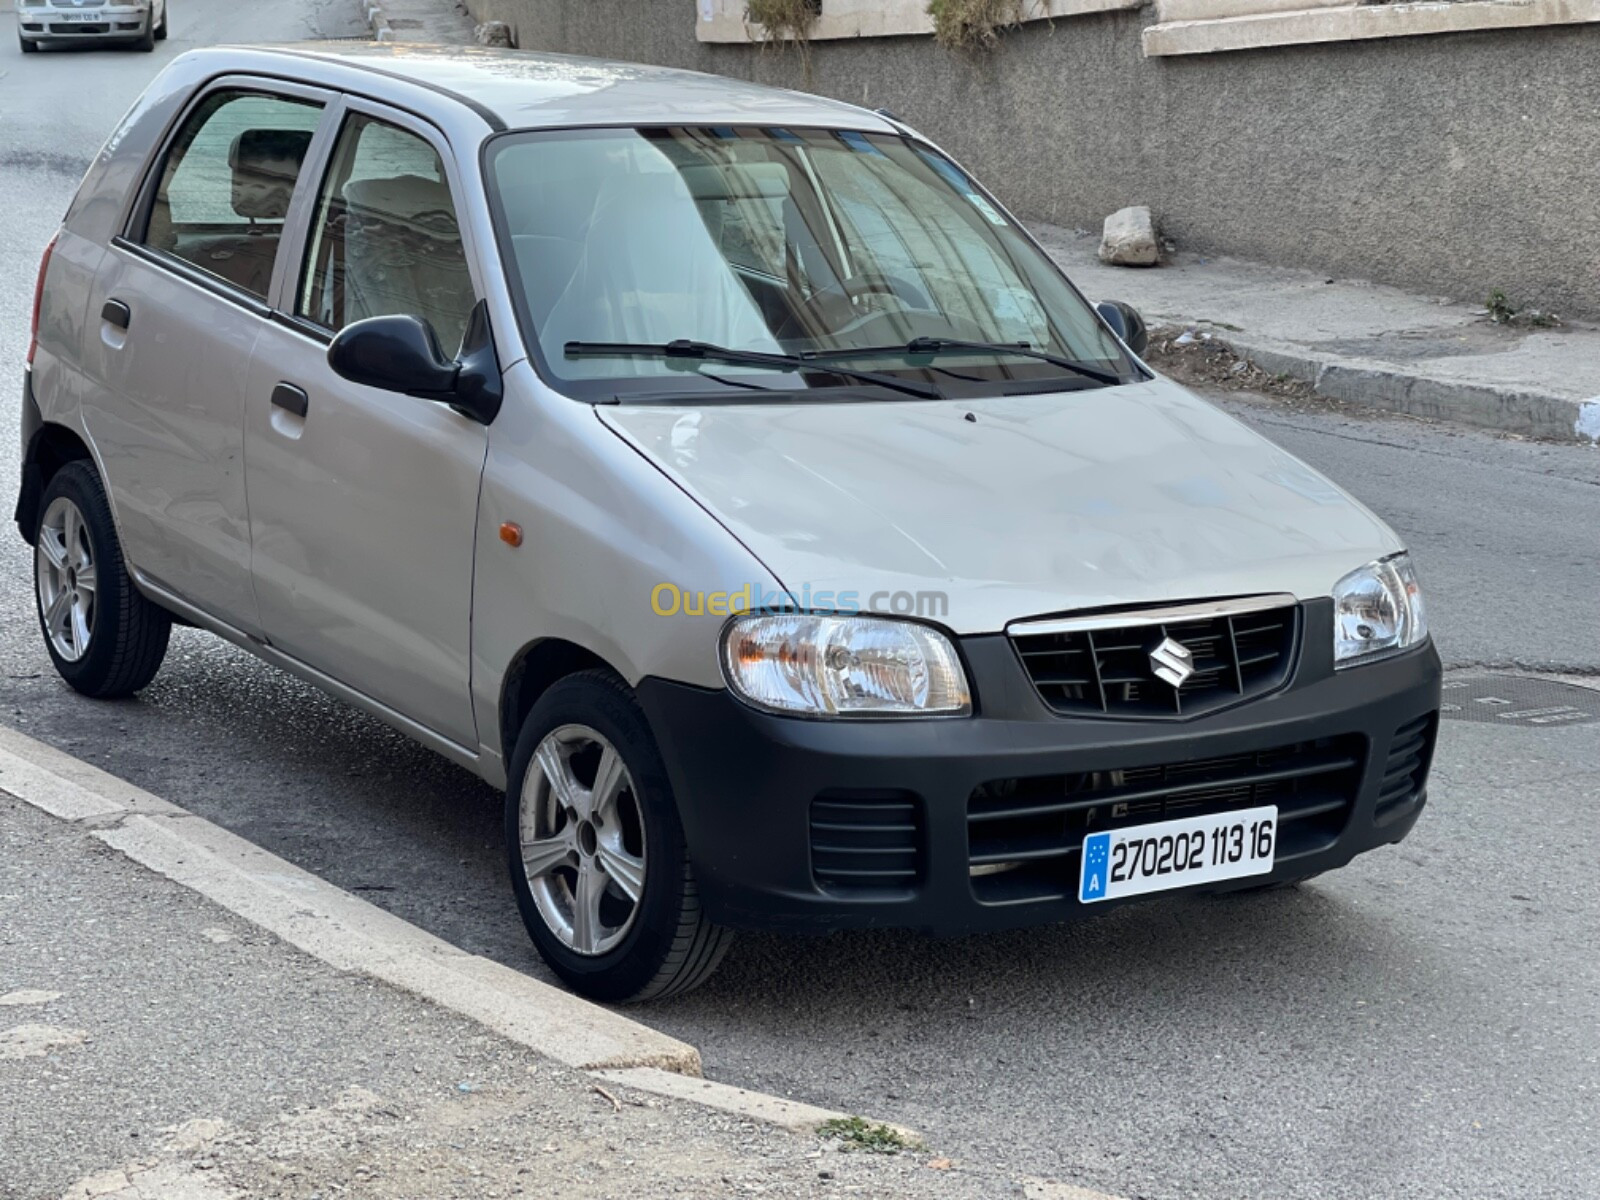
<point>777,809</point>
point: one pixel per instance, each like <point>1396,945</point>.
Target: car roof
<point>541,91</point>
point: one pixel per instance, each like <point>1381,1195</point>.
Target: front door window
<point>387,240</point>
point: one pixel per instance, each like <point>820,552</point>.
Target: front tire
<point>597,854</point>
<point>105,639</point>
<point>28,47</point>
<point>161,29</point>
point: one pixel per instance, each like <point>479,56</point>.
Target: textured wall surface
<point>1452,164</point>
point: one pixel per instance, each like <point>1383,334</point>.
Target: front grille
<point>98,27</point>
<point>866,840</point>
<point>1024,836</point>
<point>1108,671</point>
<point>1405,771</point>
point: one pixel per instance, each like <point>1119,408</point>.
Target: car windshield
<point>832,245</point>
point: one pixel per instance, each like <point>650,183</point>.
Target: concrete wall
<point>1453,164</point>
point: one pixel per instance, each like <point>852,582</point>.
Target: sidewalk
<point>154,1046</point>
<point>1361,343</point>
<point>441,22</point>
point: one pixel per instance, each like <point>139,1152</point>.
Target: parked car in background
<point>721,470</point>
<point>139,23</point>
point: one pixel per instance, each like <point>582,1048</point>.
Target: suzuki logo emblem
<point>1172,662</point>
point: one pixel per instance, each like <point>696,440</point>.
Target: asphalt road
<point>1425,1023</point>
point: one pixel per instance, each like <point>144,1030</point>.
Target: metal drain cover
<point>1519,700</point>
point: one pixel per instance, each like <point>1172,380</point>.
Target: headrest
<point>419,204</point>
<point>265,163</point>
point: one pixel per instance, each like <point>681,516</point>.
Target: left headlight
<point>1377,610</point>
<point>806,664</point>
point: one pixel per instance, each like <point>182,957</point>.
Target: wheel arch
<point>533,671</point>
<point>51,447</point>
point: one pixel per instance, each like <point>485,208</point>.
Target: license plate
<point>1175,854</point>
<point>69,18</point>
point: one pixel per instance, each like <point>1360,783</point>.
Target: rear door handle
<point>291,399</point>
<point>116,313</point>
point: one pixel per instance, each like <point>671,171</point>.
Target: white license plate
<point>1175,854</point>
<point>70,18</point>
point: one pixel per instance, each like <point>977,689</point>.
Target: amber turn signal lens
<point>511,533</point>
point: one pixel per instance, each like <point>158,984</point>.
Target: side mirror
<point>1126,323</point>
<point>402,354</point>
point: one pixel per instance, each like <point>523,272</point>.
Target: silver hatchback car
<point>140,23</point>
<point>725,473</point>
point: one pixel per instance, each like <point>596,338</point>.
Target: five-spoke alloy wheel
<point>66,579</point>
<point>582,839</point>
<point>104,637</point>
<point>597,852</point>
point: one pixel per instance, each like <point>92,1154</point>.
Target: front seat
<point>650,272</point>
<point>403,255</point>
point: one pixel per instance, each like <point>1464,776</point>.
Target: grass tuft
<point>859,1134</point>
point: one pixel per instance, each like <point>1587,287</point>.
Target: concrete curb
<point>378,21</point>
<point>1384,386</point>
<point>352,935</point>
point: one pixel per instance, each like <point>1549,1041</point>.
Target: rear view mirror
<point>1126,323</point>
<point>397,354</point>
<point>402,354</point>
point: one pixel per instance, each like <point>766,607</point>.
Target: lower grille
<point>866,840</point>
<point>60,29</point>
<point>1405,771</point>
<point>1024,836</point>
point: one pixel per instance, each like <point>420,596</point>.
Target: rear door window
<point>226,183</point>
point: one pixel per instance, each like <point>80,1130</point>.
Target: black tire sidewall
<point>603,703</point>
<point>78,483</point>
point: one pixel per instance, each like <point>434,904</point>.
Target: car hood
<point>1013,507</point>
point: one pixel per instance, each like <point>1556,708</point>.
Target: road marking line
<point>350,934</point>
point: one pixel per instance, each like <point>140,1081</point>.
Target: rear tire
<point>105,639</point>
<point>592,829</point>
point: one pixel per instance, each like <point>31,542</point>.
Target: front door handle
<point>291,399</point>
<point>117,314</point>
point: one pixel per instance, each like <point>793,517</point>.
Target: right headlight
<point>819,665</point>
<point>1377,610</point>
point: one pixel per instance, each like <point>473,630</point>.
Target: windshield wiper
<point>706,352</point>
<point>937,345</point>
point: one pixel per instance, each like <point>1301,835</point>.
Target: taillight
<point>38,298</point>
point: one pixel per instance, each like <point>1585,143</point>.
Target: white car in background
<point>140,23</point>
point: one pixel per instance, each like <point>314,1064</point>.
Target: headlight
<point>823,666</point>
<point>1377,610</point>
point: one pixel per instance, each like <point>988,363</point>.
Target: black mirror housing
<point>1126,323</point>
<point>396,354</point>
<point>402,354</point>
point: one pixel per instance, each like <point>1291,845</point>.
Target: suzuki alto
<point>722,471</point>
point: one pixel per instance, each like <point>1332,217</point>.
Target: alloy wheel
<point>582,839</point>
<point>67,583</point>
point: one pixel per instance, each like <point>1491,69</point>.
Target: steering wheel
<point>835,304</point>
